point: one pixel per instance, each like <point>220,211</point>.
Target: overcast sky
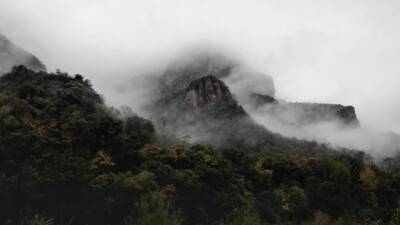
<point>337,51</point>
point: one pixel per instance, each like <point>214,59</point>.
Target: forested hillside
<point>67,158</point>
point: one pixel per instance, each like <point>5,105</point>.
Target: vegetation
<point>66,158</point>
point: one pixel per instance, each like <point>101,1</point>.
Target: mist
<point>342,52</point>
<point>334,133</point>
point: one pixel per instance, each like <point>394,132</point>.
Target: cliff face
<point>259,100</point>
<point>242,81</point>
<point>201,112</point>
<point>12,55</point>
<point>206,90</point>
<point>179,75</point>
<point>347,113</point>
<point>301,114</point>
<point>314,113</point>
<point>207,112</point>
<point>191,102</point>
<point>206,97</point>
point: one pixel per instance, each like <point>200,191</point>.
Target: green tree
<point>155,208</point>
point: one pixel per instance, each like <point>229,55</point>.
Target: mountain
<point>209,98</point>
<point>304,114</point>
<point>207,112</point>
<point>242,80</point>
<point>12,55</point>
<point>67,158</point>
<point>254,91</point>
<point>182,72</point>
<point>200,97</point>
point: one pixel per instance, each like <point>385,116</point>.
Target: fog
<point>342,51</point>
<point>333,132</point>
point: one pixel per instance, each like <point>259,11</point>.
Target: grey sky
<point>338,51</point>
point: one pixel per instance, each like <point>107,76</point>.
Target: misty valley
<point>205,141</point>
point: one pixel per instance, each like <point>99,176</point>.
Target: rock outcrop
<point>242,81</point>
<point>301,114</point>
<point>206,90</point>
<point>191,102</point>
<point>12,55</point>
<point>210,97</point>
<point>260,100</point>
<point>203,111</point>
<point>179,75</point>
<point>347,114</point>
<point>314,113</point>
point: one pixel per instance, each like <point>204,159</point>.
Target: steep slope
<point>303,114</point>
<point>12,55</point>
<point>194,106</point>
<point>206,112</point>
<point>253,90</point>
<point>200,112</point>
<point>243,81</point>
<point>56,140</point>
<point>212,96</point>
<point>181,73</point>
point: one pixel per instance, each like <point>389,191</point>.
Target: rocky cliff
<point>211,97</point>
<point>302,114</point>
<point>181,73</point>
<point>314,113</point>
<point>12,55</point>
<point>242,81</point>
<point>207,112</point>
<point>207,97</point>
<point>257,100</point>
<point>206,90</point>
<point>191,102</point>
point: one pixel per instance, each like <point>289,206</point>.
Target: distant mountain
<point>253,90</point>
<point>207,112</point>
<point>242,81</point>
<point>12,55</point>
<point>208,98</point>
<point>303,114</point>
<point>201,81</point>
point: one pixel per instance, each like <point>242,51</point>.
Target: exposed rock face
<point>179,75</point>
<point>12,55</point>
<point>192,103</point>
<point>300,114</point>
<point>204,91</point>
<point>243,82</point>
<point>202,111</point>
<point>259,100</point>
<point>347,113</point>
<point>188,82</point>
<point>314,113</point>
<point>208,96</point>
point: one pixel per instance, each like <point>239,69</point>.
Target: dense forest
<point>67,158</point>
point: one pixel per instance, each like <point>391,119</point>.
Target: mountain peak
<point>180,74</point>
<point>206,90</point>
